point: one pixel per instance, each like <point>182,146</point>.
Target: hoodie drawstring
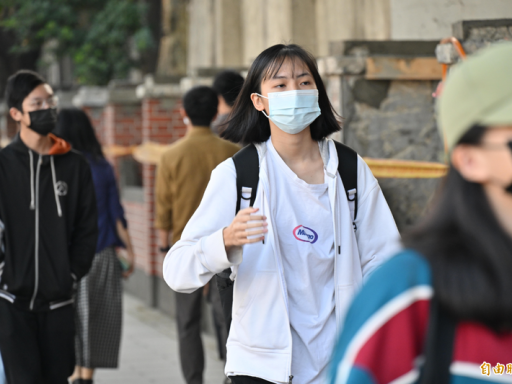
<point>263,209</point>
<point>32,204</point>
<point>54,178</point>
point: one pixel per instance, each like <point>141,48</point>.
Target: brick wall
<point>97,116</point>
<point>123,124</point>
<point>156,120</point>
<point>162,123</point>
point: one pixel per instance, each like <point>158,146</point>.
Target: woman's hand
<point>244,225</point>
<point>131,260</point>
<point>123,234</point>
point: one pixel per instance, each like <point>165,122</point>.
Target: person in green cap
<point>441,310</point>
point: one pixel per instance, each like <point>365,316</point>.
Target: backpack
<point>438,346</point>
<point>247,175</point>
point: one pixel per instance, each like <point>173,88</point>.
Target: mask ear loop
<point>260,95</point>
<point>264,98</point>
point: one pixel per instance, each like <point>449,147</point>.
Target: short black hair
<point>228,84</point>
<point>249,126</point>
<point>201,104</point>
<point>19,87</point>
<point>74,126</point>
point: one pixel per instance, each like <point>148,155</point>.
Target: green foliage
<point>103,38</point>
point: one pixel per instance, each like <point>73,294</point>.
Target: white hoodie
<point>259,342</point>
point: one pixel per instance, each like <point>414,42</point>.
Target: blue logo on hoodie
<point>305,234</point>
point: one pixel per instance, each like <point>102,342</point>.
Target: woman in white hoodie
<point>297,256</point>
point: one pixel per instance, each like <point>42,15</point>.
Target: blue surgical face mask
<point>293,111</point>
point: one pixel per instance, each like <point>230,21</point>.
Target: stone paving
<point>149,350</point>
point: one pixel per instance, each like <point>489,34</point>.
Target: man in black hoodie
<point>48,231</point>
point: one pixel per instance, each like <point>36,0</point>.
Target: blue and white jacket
<point>383,340</point>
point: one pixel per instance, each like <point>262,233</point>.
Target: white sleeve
<point>200,253</point>
<point>377,235</point>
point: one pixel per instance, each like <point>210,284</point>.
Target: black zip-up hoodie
<point>48,224</point>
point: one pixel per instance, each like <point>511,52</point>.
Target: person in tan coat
<point>183,174</point>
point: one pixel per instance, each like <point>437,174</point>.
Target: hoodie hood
<point>60,146</point>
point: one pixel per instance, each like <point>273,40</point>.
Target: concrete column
<point>376,19</point>
<point>122,124</point>
<point>322,42</point>
<point>335,21</point>
<point>254,30</point>
<point>338,20</point>
<point>228,33</point>
<point>172,58</point>
<point>432,20</point>
<point>97,116</point>
<point>304,24</point>
<point>201,47</point>
<point>162,123</point>
<point>279,22</point>
<point>93,101</point>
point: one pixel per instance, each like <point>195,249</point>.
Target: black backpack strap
<point>247,165</point>
<point>347,168</point>
<point>439,346</point>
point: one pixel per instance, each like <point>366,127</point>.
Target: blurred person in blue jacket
<point>441,310</point>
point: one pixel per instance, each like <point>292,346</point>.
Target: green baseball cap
<point>477,91</point>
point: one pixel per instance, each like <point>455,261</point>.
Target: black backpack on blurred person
<point>438,346</point>
<point>247,175</point>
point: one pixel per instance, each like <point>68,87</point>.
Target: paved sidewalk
<point>149,350</point>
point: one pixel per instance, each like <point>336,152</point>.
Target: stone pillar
<point>115,113</point>
<point>228,33</point>
<point>279,22</point>
<point>350,20</point>
<point>93,101</point>
<point>201,45</point>
<point>432,19</point>
<point>172,57</point>
<point>161,123</point>
<point>123,116</point>
<point>304,24</point>
<point>254,30</point>
<point>385,90</point>
<point>389,114</point>
<point>374,19</point>
<point>335,20</point>
<point>478,34</point>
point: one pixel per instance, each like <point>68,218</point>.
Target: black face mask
<point>43,121</point>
